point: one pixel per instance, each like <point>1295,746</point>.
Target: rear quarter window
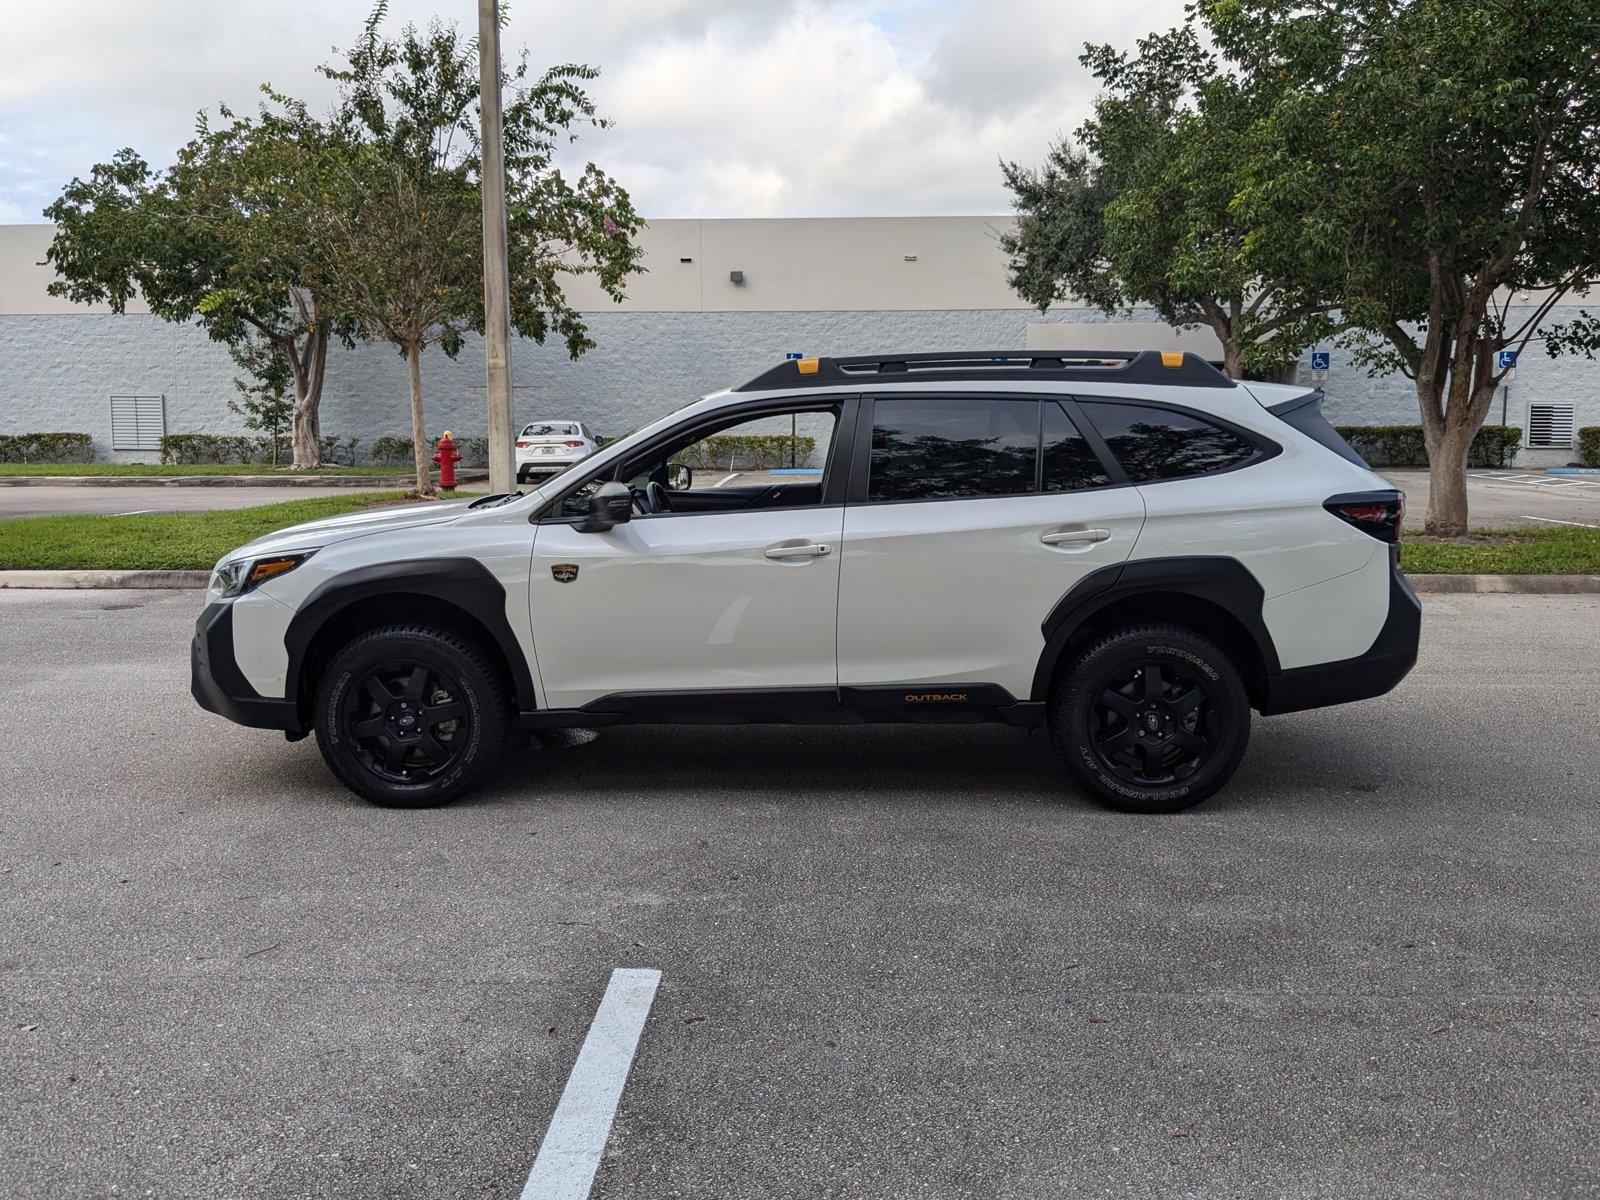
<point>1159,443</point>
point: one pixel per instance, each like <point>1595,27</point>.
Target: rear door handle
<point>1075,535</point>
<point>813,550</point>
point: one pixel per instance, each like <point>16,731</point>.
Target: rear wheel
<point>1151,719</point>
<point>410,716</point>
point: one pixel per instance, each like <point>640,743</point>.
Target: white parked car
<point>546,447</point>
<point>1127,549</point>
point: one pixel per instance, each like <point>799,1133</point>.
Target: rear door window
<point>939,449</point>
<point>1158,443</point>
<point>1070,463</point>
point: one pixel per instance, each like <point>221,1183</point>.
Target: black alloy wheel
<point>1150,719</point>
<point>407,721</point>
<point>410,716</point>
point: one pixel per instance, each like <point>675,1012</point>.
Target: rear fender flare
<point>1225,582</point>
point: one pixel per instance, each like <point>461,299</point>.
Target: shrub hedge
<point>1403,445</point>
<point>396,451</point>
<point>1589,445</point>
<point>235,448</point>
<point>46,448</point>
<point>745,451</point>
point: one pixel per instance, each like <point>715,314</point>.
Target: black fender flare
<point>1225,582</point>
<point>464,583</point>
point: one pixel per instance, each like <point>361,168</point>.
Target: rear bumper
<point>219,686</point>
<point>1386,663</point>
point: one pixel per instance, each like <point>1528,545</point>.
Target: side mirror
<point>679,477</point>
<point>611,504</point>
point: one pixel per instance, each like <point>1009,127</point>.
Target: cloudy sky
<point>722,107</point>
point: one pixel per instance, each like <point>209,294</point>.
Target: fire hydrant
<point>447,457</point>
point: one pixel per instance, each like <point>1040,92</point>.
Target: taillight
<point>1377,514</point>
<point>573,442</point>
<point>523,445</point>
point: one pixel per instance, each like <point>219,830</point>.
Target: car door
<point>968,519</point>
<point>694,601</point>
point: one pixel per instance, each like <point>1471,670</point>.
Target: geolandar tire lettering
<point>1151,719</point>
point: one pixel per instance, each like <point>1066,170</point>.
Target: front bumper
<point>1386,663</point>
<point>219,686</point>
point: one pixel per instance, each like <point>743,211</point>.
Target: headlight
<point>244,574</point>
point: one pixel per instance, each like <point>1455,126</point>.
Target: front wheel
<point>410,716</point>
<point>1151,719</point>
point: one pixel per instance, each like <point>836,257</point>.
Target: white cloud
<point>723,107</point>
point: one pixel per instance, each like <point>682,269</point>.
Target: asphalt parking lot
<point>895,961</point>
<point>1510,499</point>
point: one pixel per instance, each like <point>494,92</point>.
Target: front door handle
<point>810,550</point>
<point>1075,535</point>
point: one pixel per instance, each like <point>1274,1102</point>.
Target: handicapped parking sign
<point>1505,360</point>
<point>1320,359</point>
<point>792,355</point>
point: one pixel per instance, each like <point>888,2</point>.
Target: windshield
<point>551,429</point>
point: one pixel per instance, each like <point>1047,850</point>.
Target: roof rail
<point>1110,366</point>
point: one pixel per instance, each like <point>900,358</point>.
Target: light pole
<point>496,273</point>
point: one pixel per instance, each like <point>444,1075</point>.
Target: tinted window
<point>1154,443</point>
<point>934,449</point>
<point>1069,462</point>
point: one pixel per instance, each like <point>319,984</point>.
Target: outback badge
<point>564,572</point>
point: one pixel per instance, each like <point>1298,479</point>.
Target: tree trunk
<point>1447,482</point>
<point>306,422</point>
<point>419,435</point>
<point>1232,359</point>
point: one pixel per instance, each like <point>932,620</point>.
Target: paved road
<point>1508,499</point>
<point>47,500</point>
<point>897,962</point>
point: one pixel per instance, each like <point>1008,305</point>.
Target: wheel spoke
<point>1188,702</point>
<point>1154,687</point>
<point>452,710</point>
<point>1117,702</point>
<point>381,695</point>
<point>417,684</point>
<point>394,757</point>
<point>1191,742</point>
<point>371,727</point>
<point>432,751</point>
<point>1117,742</point>
<point>1150,758</point>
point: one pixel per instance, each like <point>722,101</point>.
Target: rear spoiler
<point>1304,413</point>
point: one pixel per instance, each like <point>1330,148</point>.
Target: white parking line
<point>1556,521</point>
<point>727,479</point>
<point>570,1152</point>
<point>136,512</point>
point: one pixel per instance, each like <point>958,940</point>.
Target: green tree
<point>1138,210</point>
<point>401,255</point>
<point>263,400</point>
<point>1444,157</point>
<point>200,242</point>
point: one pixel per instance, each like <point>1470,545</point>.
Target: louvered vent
<point>1550,425</point>
<point>138,422</point>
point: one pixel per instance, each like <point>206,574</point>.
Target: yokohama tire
<point>1151,719</point>
<point>371,684</point>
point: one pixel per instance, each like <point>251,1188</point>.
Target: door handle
<point>1075,535</point>
<point>811,550</point>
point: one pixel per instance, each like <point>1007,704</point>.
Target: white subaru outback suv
<point>1127,549</point>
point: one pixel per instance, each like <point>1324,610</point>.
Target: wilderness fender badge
<point>564,572</point>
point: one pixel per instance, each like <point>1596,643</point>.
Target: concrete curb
<point>1518,585</point>
<point>104,579</point>
<point>374,483</point>
<point>1513,585</point>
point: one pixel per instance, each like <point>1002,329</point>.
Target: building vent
<point>138,422</point>
<point>1550,425</point>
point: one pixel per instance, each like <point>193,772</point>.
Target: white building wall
<point>831,286</point>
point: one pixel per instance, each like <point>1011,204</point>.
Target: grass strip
<point>78,470</point>
<point>159,541</point>
<point>1559,550</point>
